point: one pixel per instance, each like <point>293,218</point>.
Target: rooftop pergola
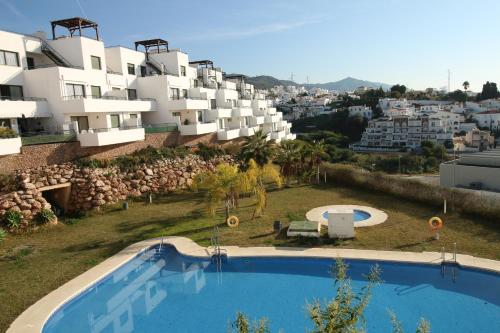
<point>205,63</point>
<point>239,77</point>
<point>155,44</point>
<point>75,24</point>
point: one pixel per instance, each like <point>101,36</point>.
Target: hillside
<point>347,84</point>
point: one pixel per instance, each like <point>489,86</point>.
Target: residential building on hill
<point>73,83</point>
<point>362,111</point>
<point>403,132</point>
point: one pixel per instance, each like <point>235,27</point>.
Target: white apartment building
<point>489,119</point>
<point>404,132</point>
<point>107,95</point>
<point>361,111</point>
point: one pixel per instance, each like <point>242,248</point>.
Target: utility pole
<point>291,77</point>
<point>449,80</point>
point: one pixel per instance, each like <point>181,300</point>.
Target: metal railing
<point>41,137</point>
<point>22,98</point>
<point>50,66</point>
<point>161,128</point>
<point>114,98</point>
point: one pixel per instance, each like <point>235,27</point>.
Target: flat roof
<point>487,158</point>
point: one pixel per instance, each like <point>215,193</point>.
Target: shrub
<point>412,190</point>
<point>207,152</point>
<point>92,163</point>
<point>46,216</point>
<point>3,235</point>
<point>7,133</point>
<point>13,219</point>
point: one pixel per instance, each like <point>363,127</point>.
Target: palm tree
<point>288,157</point>
<point>317,153</point>
<point>466,85</point>
<point>226,183</point>
<point>257,148</point>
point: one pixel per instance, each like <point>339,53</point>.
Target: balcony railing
<point>114,98</point>
<point>161,128</point>
<point>50,66</point>
<point>109,129</point>
<point>36,138</point>
<point>27,99</point>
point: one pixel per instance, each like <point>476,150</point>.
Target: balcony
<point>187,104</point>
<point>228,134</point>
<point>243,103</point>
<point>109,136</point>
<point>10,146</point>
<point>248,131</point>
<point>271,111</point>
<point>257,120</point>
<point>198,128</point>
<point>290,136</point>
<point>27,107</point>
<point>272,119</point>
<point>278,135</point>
<point>80,104</point>
<point>242,112</point>
<point>218,113</point>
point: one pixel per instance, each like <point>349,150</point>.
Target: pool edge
<point>34,318</point>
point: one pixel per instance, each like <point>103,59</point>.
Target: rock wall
<point>93,188</point>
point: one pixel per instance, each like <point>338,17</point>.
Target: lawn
<point>32,265</point>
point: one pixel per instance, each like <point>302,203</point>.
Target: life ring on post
<point>435,223</point>
<point>233,221</point>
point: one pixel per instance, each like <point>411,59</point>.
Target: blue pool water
<point>359,215</point>
<point>173,293</point>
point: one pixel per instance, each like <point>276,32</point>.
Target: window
<point>11,92</point>
<point>83,122</point>
<point>176,114</point>
<point>196,83</point>
<point>199,116</point>
<point>143,71</point>
<point>132,94</point>
<point>9,58</point>
<point>183,70</point>
<point>96,62</point>
<point>31,62</point>
<point>174,93</point>
<point>213,104</point>
<point>115,89</point>
<point>96,91</point>
<point>184,93</point>
<point>75,90</point>
<point>131,69</point>
<point>133,116</point>
<point>115,121</point>
<point>221,123</point>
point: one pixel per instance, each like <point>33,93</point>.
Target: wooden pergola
<point>155,44</point>
<point>205,63</point>
<point>75,24</point>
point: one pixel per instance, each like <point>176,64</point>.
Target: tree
<point>466,85</point>
<point>288,157</point>
<point>490,90</point>
<point>226,183</point>
<point>317,153</point>
<point>257,148</point>
<point>343,314</point>
<point>458,96</point>
<point>401,88</point>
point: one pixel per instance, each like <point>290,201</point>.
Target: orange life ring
<point>233,221</point>
<point>435,223</point>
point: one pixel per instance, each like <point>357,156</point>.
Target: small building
<point>477,138</point>
<point>478,171</point>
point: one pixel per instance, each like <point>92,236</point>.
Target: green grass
<point>47,138</point>
<point>32,265</point>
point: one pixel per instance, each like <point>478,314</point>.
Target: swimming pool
<point>359,215</point>
<point>170,292</point>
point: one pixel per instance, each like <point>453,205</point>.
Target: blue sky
<point>394,41</point>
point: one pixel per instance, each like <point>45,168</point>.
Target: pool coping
<point>34,318</point>
<point>377,216</point>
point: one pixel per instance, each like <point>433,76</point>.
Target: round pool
<point>359,215</point>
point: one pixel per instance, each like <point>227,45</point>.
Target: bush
<point>207,152</point>
<point>412,190</point>
<point>46,216</point>
<point>3,235</point>
<point>7,133</point>
<point>13,219</point>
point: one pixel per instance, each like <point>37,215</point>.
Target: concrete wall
<point>452,175</point>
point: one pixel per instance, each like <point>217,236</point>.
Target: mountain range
<point>347,84</point>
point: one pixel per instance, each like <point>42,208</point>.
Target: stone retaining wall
<point>93,188</point>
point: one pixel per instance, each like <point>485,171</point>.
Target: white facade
<point>361,111</point>
<point>489,119</point>
<point>107,94</point>
<point>404,132</point>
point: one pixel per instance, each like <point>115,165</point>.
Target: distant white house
<point>361,111</point>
